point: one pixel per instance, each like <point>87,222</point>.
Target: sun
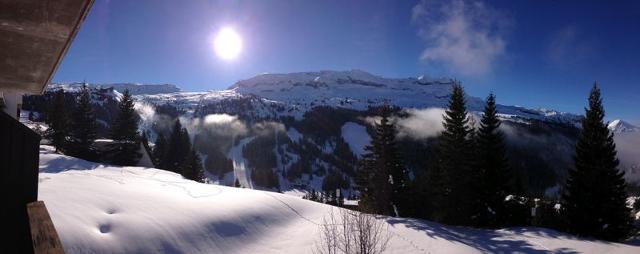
<point>227,43</point>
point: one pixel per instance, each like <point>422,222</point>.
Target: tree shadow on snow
<point>62,164</point>
<point>635,241</point>
<point>549,233</point>
<point>490,241</point>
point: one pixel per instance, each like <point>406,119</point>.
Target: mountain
<point>620,126</point>
<point>134,88</point>
<point>99,208</point>
<point>294,94</point>
<point>359,90</point>
<point>300,131</point>
<point>627,138</point>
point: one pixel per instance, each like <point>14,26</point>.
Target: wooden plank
<point>44,235</point>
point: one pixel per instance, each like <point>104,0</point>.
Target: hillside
<point>134,88</point>
<point>304,128</point>
<point>100,208</point>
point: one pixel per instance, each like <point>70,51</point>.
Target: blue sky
<point>530,53</point>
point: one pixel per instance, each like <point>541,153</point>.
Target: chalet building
<point>34,37</point>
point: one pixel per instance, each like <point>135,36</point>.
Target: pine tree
<point>594,197</point>
<point>58,122</point>
<point>494,176</point>
<point>382,178</point>
<point>179,147</point>
<point>433,193</point>
<point>160,151</point>
<point>332,199</point>
<point>83,133</point>
<point>124,132</point>
<point>455,161</point>
<point>191,167</point>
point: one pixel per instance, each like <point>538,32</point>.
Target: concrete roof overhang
<point>34,36</point>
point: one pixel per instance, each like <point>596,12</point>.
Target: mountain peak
<point>620,126</point>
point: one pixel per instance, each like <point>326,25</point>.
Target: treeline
<point>468,180</point>
<point>73,131</point>
<point>330,197</point>
<point>40,105</point>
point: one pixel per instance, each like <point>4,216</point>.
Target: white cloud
<point>421,123</point>
<point>217,124</point>
<point>372,120</point>
<point>268,128</point>
<point>219,119</point>
<point>628,148</point>
<point>464,36</point>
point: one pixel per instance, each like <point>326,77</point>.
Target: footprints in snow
<point>105,228</point>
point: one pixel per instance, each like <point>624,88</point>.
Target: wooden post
<point>43,233</point>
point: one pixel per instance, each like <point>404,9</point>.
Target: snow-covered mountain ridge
<point>294,94</point>
<point>134,88</point>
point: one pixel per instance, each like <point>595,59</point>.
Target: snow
<point>294,134</point>
<point>620,126</point>
<point>145,158</point>
<point>295,193</point>
<point>353,89</point>
<point>293,94</point>
<point>134,88</point>
<point>356,137</point>
<point>107,209</point>
<point>38,127</point>
<point>240,169</point>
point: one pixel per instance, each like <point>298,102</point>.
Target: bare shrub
<point>351,232</point>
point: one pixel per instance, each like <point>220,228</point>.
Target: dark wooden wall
<point>19,160</point>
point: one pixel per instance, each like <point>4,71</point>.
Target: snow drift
<point>106,209</point>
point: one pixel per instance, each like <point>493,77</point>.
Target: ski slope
<point>107,209</point>
<point>240,169</point>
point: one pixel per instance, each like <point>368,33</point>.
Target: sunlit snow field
<point>106,209</point>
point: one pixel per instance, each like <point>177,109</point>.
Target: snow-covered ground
<point>240,168</point>
<point>356,136</point>
<point>106,209</point>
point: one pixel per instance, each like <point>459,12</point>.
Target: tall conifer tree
<point>83,133</point>
<point>494,176</point>
<point>455,162</point>
<point>58,121</point>
<point>382,177</point>
<point>594,196</point>
<point>192,167</point>
<point>178,150</point>
<point>124,132</point>
<point>160,152</point>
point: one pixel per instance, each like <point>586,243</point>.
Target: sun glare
<point>227,43</point>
